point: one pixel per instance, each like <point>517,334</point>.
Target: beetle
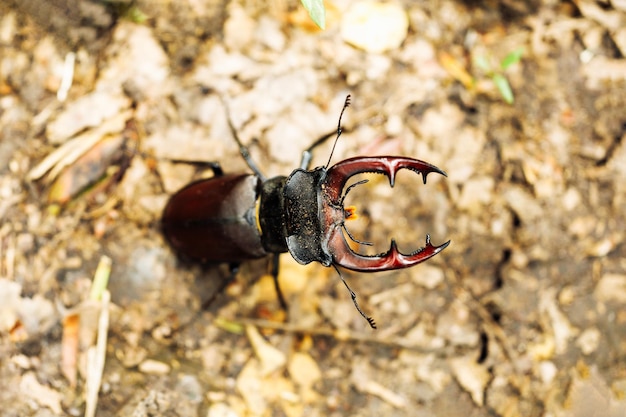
<point>237,217</point>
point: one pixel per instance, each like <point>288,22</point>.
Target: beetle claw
<point>333,184</point>
<point>339,174</point>
<point>393,259</point>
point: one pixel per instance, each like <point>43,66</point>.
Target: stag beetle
<point>236,217</point>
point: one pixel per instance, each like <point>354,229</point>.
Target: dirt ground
<point>522,315</point>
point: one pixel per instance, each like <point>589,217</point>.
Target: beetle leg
<point>279,293</point>
<point>243,150</point>
<point>307,155</point>
<point>333,213</point>
<point>217,169</point>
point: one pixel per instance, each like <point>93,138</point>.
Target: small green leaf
<point>229,326</point>
<point>512,58</point>
<point>504,87</point>
<point>316,11</point>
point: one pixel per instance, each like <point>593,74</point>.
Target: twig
<point>339,334</point>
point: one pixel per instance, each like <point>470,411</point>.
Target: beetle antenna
<point>352,238</point>
<point>346,104</point>
<point>350,189</point>
<point>370,320</point>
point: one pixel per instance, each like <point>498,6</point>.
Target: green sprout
<point>497,75</point>
<point>128,10</point>
<point>135,14</point>
<point>316,10</point>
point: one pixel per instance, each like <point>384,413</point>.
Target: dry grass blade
<point>339,334</point>
<point>96,355</point>
<point>71,150</point>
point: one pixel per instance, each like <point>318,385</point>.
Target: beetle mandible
<point>237,217</point>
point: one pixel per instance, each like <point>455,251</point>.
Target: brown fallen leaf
<point>86,170</point>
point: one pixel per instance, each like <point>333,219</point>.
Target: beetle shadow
<point>211,280</point>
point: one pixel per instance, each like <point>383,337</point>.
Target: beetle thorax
<point>303,203</point>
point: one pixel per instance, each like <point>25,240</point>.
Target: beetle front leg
<point>307,155</point>
<point>217,169</point>
<point>274,272</point>
<point>243,150</point>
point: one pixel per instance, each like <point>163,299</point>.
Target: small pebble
<point>374,26</point>
<point>150,366</point>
